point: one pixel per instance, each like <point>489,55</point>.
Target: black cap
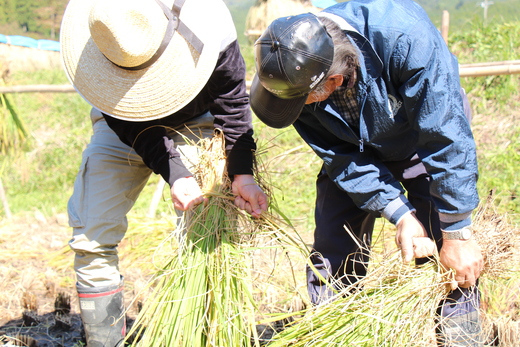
<point>292,56</point>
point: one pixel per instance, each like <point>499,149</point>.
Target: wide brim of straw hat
<point>155,92</point>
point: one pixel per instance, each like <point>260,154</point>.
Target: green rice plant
<point>396,303</point>
<point>13,135</point>
<point>202,296</point>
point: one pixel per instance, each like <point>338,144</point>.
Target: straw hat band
<point>174,24</point>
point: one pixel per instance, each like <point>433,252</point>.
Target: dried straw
<point>395,307</point>
<point>499,240</point>
<point>397,304</point>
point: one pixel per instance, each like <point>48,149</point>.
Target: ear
<point>337,80</point>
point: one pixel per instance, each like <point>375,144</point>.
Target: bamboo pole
<point>5,203</point>
<point>476,70</point>
<point>38,88</point>
<point>506,67</point>
<point>494,63</point>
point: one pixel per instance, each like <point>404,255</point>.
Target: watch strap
<point>461,234</point>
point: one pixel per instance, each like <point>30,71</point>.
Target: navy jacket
<point>410,102</point>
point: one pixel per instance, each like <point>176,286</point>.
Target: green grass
<point>495,101</point>
<point>41,178</point>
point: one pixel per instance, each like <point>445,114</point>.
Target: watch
<point>461,234</point>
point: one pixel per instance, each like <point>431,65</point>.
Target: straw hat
<point>102,40</point>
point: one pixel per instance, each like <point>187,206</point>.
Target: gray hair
<point>345,61</point>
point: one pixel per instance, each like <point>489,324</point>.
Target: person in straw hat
<point>373,89</point>
<point>155,72</point>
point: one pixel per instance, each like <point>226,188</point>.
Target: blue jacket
<point>410,102</point>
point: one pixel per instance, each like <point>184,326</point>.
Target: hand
<point>465,258</point>
<point>186,194</point>
<point>248,195</point>
<point>412,239</point>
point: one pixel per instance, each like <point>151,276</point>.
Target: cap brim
<point>273,111</point>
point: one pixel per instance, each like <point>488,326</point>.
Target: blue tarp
<point>49,45</point>
<point>323,3</point>
<point>23,41</point>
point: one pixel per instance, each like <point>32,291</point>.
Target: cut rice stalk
<point>393,305</point>
<point>396,304</point>
<point>202,296</point>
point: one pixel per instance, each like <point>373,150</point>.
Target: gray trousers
<point>109,181</point>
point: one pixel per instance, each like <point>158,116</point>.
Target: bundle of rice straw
<point>203,295</point>
<point>392,306</point>
<point>395,304</point>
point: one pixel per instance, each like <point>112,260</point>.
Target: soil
<point>38,303</point>
<point>38,299</point>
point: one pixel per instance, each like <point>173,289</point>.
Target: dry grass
<point>17,58</point>
<point>500,281</point>
<point>499,240</point>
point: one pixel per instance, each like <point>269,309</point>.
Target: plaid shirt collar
<point>345,100</point>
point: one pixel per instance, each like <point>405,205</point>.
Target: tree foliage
<point>42,18</point>
<point>33,18</point>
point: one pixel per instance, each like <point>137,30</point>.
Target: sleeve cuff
<point>177,170</point>
<point>452,222</point>
<point>397,208</point>
<point>240,162</point>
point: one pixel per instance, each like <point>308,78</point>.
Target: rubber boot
<point>102,312</point>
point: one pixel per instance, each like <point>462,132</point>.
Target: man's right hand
<point>465,258</point>
<point>186,194</point>
<point>412,239</point>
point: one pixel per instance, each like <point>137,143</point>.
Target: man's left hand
<point>465,258</point>
<point>248,195</point>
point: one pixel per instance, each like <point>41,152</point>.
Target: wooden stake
<point>3,197</point>
<point>156,198</point>
<point>445,25</point>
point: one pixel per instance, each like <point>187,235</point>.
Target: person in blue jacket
<point>373,89</point>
